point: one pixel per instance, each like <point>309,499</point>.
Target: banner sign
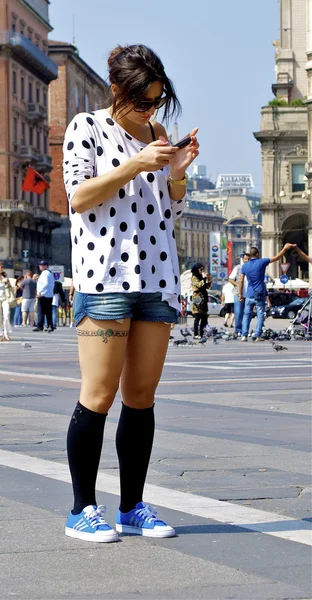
<point>230,256</point>
<point>224,258</point>
<point>232,182</point>
<point>215,252</point>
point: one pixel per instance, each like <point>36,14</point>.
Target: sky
<point>218,53</point>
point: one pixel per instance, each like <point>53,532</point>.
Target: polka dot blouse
<point>127,243</point>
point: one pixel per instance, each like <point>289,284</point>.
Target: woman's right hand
<point>156,155</point>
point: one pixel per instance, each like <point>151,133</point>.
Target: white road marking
<point>287,528</point>
<point>235,367</point>
<point>163,381</point>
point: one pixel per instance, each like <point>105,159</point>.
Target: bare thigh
<point>144,360</point>
<point>101,362</point>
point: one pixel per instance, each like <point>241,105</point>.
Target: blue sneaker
<point>142,520</point>
<point>90,525</point>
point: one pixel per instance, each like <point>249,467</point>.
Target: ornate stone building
<point>285,204</point>
<point>26,71</point>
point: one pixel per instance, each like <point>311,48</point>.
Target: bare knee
<point>98,399</point>
<point>140,397</point>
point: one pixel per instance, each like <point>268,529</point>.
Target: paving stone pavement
<point>230,470</point>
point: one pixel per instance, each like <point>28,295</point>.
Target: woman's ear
<point>114,89</point>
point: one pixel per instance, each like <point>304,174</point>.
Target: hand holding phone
<point>182,143</point>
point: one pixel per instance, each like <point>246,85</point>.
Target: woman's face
<point>135,112</point>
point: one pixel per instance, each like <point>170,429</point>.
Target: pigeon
<point>171,337</point>
<point>25,345</point>
<point>278,347</point>
<point>180,342</point>
<point>214,339</point>
<point>202,341</point>
<point>185,332</point>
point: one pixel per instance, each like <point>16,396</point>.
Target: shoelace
<point>96,517</point>
<point>148,512</point>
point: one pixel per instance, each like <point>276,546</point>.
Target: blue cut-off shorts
<point>117,306</point>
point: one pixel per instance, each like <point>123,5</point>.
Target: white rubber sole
<point>158,532</point>
<point>99,536</point>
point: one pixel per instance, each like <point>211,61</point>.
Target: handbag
<point>9,294</point>
<point>19,300</point>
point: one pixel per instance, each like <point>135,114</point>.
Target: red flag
<point>34,182</point>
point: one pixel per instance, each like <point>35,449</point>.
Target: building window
<point>15,187</point>
<point>15,130</point>
<point>38,140</point>
<point>45,144</point>
<point>14,83</point>
<point>31,197</point>
<point>87,105</point>
<point>23,134</point>
<point>37,40</point>
<point>37,93</point>
<point>29,34</point>
<point>45,199</point>
<point>22,87</point>
<point>77,97</point>
<point>38,199</point>
<point>297,177</point>
<point>30,91</point>
<point>14,26</point>
<point>45,99</point>
<point>31,135</point>
<point>22,28</point>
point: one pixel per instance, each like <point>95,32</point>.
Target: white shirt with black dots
<point>127,243</point>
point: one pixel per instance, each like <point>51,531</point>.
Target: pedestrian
<point>36,309</point>
<point>29,287</point>
<point>7,299</point>
<point>58,301</point>
<point>45,287</point>
<point>126,185</point>
<point>254,270</point>
<point>200,283</point>
<point>18,293</point>
<point>227,299</point>
<point>239,305</point>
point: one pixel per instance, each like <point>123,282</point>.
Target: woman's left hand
<point>184,157</point>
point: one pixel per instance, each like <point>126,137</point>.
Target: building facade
<point>77,89</point>
<point>26,71</point>
<point>198,220</point>
<point>285,204</point>
<point>239,206</point>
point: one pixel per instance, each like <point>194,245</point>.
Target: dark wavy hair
<point>133,69</point>
<point>195,270</point>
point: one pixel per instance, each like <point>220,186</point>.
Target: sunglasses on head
<point>145,105</point>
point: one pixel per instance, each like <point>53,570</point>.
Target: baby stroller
<point>301,325</point>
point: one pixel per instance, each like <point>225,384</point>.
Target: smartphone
<point>182,143</point>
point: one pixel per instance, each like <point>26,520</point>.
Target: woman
<point>200,284</point>
<point>6,296</point>
<point>125,185</point>
<point>18,293</point>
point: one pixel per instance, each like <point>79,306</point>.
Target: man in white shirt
<point>45,287</point>
<point>239,306</point>
<point>227,299</point>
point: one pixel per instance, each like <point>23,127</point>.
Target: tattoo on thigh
<point>103,333</point>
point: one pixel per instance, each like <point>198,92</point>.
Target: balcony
<point>36,112</point>
<point>44,163</point>
<point>29,154</point>
<point>15,206</point>
<point>25,50</point>
<point>40,214</point>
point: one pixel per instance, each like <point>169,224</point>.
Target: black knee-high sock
<point>134,441</point>
<point>84,445</point>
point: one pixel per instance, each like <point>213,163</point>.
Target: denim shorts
<point>117,306</point>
